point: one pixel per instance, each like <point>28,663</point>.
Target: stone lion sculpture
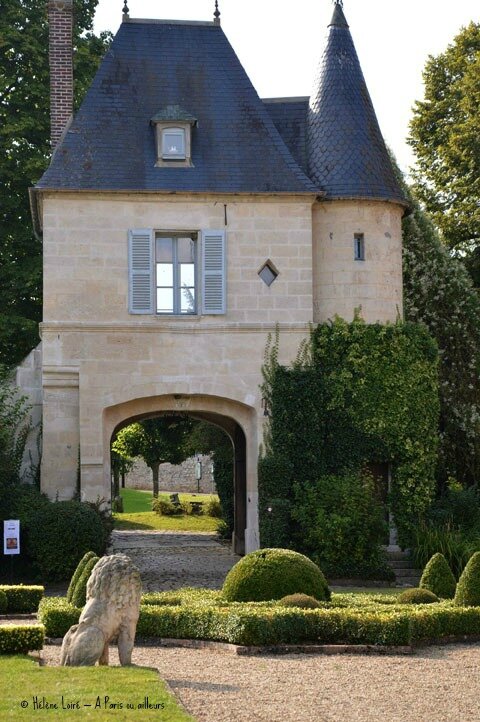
<point>114,589</point>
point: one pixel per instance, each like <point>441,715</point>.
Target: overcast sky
<point>279,44</point>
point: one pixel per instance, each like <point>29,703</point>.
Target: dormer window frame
<point>165,161</point>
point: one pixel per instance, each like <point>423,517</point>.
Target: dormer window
<point>173,137</point>
<point>173,144</point>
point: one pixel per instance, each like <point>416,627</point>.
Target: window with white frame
<point>175,272</point>
<point>173,144</point>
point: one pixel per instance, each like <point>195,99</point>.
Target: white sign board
<point>11,536</point>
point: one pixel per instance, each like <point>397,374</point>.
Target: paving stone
<point>171,560</point>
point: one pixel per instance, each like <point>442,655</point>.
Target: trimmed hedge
<point>468,587</point>
<point>21,598</point>
<point>78,573</point>
<point>272,574</point>
<point>302,601</point>
<point>20,639</point>
<point>57,615</point>
<point>438,578</point>
<point>418,596</point>
<point>3,602</point>
<point>348,618</point>
<point>79,596</point>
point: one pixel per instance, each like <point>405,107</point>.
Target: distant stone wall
<point>173,478</point>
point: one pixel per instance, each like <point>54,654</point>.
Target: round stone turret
<point>357,249</point>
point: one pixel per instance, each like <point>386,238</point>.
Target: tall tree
<point>445,136</point>
<point>157,441</point>
<point>25,151</point>
<point>439,293</point>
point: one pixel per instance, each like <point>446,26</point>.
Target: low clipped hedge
<point>21,638</point>
<point>3,602</point>
<point>348,619</point>
<point>302,601</point>
<point>272,574</point>
<point>57,615</point>
<point>21,598</point>
<point>438,578</point>
<point>417,596</point>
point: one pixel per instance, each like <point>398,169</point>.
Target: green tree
<point>157,441</point>
<point>25,151</point>
<point>13,433</point>
<point>438,292</point>
<point>445,136</point>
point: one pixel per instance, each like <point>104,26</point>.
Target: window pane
<point>185,250</point>
<point>164,274</point>
<point>187,300</point>
<point>173,143</point>
<point>165,300</point>
<point>187,274</point>
<point>164,250</point>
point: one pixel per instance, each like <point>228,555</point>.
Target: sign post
<point>11,540</point>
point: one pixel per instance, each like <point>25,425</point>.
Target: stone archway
<point>238,422</point>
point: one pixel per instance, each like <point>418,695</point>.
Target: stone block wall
<point>173,478</point>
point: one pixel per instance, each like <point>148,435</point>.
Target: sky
<point>279,43</point>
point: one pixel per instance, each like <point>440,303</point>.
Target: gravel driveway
<point>437,684</point>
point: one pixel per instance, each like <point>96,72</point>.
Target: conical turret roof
<point>346,151</point>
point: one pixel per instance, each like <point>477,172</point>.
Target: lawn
<point>138,514</point>
<point>91,692</point>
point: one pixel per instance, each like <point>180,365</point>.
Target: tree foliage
<point>445,136</point>
<point>438,292</point>
<point>13,432</point>
<point>358,394</point>
<point>157,441</point>
<point>25,151</point>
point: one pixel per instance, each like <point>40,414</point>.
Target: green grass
<point>22,680</point>
<point>138,514</point>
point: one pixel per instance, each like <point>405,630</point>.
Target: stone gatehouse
<point>182,219</point>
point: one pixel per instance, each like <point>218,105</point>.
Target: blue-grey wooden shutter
<point>213,272</point>
<point>140,271</point>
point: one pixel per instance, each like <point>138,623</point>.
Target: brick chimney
<point>60,21</point>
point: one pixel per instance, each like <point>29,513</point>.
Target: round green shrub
<point>417,596</point>
<point>3,602</point>
<point>60,534</point>
<point>272,574</point>
<point>163,506</point>
<point>78,573</point>
<point>438,578</point>
<point>79,596</point>
<point>303,601</point>
<point>468,587</point>
<point>214,508</point>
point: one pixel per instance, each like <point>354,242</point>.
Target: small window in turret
<point>359,247</point>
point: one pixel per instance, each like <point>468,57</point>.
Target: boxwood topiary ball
<point>417,596</point>
<point>438,577</point>
<point>468,587</point>
<point>272,574</point>
<point>303,601</point>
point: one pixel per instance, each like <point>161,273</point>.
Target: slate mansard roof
<point>331,145</point>
<point>153,64</point>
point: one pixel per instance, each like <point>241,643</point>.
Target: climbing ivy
<point>356,394</point>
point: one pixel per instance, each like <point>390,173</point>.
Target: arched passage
<point>237,420</point>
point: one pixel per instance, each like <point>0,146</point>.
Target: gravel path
<point>171,560</point>
<point>437,684</point>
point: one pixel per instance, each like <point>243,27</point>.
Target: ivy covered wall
<point>355,394</point>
